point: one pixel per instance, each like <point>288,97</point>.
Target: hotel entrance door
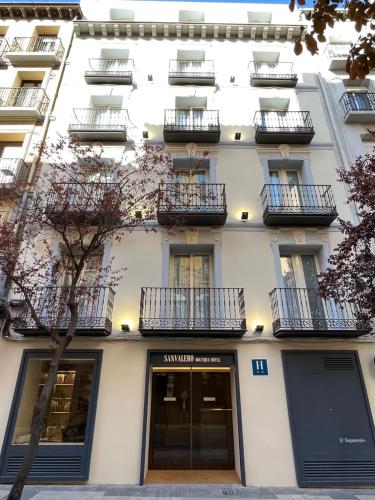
<point>191,420</point>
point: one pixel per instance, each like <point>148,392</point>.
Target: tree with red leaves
<point>325,14</point>
<point>80,202</point>
<point>351,276</point>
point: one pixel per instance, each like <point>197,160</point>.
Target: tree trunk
<point>37,421</point>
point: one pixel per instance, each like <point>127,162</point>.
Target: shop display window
<point>66,416</point>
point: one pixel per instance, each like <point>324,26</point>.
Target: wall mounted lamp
<point>150,78</point>
<point>125,327</point>
<point>237,136</point>
<point>138,214</point>
<point>244,216</point>
<point>259,329</point>
<point>145,134</point>
<point>232,79</point>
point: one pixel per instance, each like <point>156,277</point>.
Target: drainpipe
<point>341,149</point>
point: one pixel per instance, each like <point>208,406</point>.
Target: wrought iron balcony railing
<point>298,201</point>
<point>272,69</point>
<point>24,97</point>
<point>13,171</point>
<point>110,68</point>
<point>192,196</point>
<point>92,201</point>
<point>50,303</point>
<point>192,120</point>
<point>302,312</point>
<point>43,44</point>
<point>357,101</point>
<point>192,311</point>
<point>337,50</point>
<point>99,119</point>
<point>192,202</point>
<point>283,126</point>
<point>193,69</point>
<point>283,121</point>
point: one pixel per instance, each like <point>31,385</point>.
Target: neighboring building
<point>232,363</point>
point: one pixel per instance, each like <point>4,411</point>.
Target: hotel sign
<point>192,359</point>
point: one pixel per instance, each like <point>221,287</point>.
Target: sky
<point>308,2</point>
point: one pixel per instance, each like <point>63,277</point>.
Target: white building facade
<point>214,354</point>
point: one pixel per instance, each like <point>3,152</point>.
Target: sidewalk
<point>173,492</point>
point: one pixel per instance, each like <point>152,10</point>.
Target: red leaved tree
<point>51,249</point>
<point>351,276</point>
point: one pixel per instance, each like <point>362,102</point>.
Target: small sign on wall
<point>260,366</point>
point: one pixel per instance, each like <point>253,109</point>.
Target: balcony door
<point>191,118</point>
<point>105,116</point>
<point>44,43</point>
<point>299,273</point>
<point>359,101</point>
<point>189,66</point>
<point>91,302</point>
<point>285,189</point>
<point>24,97</point>
<point>9,154</point>
<point>191,281</point>
<point>191,189</point>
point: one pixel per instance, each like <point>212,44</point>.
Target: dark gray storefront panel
<point>331,424</point>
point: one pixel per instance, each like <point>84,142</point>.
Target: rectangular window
<point>66,417</point>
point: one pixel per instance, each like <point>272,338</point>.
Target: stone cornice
<point>45,10</point>
<point>177,30</point>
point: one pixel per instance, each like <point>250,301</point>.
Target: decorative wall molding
<point>219,31</point>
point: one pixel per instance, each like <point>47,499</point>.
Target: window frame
<point>59,450</point>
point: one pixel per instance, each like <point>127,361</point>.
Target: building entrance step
<point>192,477</point>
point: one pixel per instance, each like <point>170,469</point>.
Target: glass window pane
<point>66,416</point>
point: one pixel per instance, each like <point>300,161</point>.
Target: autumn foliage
<point>325,14</point>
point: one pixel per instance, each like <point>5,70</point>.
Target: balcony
<point>264,74</point>
<point>99,124</point>
<point>283,127</point>
<point>190,125</point>
<point>93,203</point>
<point>112,71</point>
<point>192,205</point>
<point>300,312</point>
<point>191,72</point>
<point>298,204</point>
<point>22,103</point>
<point>13,173</point>
<point>337,54</point>
<point>94,317</point>
<point>358,107</point>
<point>192,312</point>
<point>35,51</point>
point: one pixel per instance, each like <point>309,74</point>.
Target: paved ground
<point>177,492</point>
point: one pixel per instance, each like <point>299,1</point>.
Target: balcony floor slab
<point>295,137</point>
<point>185,136</point>
<point>33,58</point>
<point>281,81</point>
<point>367,116</point>
<point>302,219</point>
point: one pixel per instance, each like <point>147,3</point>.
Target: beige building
<point>214,355</point>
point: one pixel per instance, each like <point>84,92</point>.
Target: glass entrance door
<point>191,420</point>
